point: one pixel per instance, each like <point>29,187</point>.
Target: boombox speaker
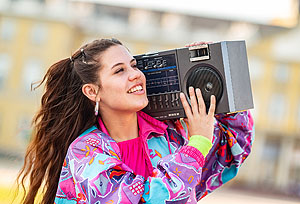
<point>219,69</point>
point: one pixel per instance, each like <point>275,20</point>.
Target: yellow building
<point>28,46</point>
<point>274,164</point>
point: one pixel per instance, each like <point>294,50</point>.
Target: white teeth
<point>136,88</point>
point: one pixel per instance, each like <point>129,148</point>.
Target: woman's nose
<point>134,74</point>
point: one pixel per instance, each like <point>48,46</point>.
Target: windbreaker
<point>93,172</point>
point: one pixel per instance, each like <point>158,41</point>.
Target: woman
<point>93,144</point>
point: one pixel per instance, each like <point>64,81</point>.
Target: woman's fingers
<point>185,105</point>
<point>201,104</point>
<point>197,43</point>
<point>194,103</point>
<point>197,104</point>
<point>212,107</point>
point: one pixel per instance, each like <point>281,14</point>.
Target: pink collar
<point>147,124</point>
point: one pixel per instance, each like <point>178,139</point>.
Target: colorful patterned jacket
<point>94,173</point>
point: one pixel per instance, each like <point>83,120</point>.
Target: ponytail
<point>64,114</point>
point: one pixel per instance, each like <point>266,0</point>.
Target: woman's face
<point>123,85</point>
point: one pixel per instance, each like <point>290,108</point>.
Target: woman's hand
<point>199,122</point>
<point>197,43</point>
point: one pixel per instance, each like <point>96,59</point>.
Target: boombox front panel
<point>167,73</point>
<point>214,61</point>
<point>163,84</point>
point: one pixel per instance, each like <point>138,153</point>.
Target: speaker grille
<point>208,81</point>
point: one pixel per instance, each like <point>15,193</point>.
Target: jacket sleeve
<point>90,175</point>
<point>233,137</point>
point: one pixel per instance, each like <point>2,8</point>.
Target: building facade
<point>28,46</point>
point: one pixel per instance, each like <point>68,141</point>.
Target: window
<point>39,34</point>
<point>281,73</point>
<point>255,112</point>
<point>143,23</point>
<point>32,73</point>
<point>256,68</point>
<point>270,157</point>
<point>24,129</point>
<point>298,112</point>
<point>7,29</point>
<point>1,127</point>
<point>5,64</point>
<point>294,174</point>
<point>277,107</point>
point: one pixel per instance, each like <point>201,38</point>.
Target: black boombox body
<point>219,69</point>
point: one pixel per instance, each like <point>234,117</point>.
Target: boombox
<point>219,69</point>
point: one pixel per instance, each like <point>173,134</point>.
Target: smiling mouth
<point>135,89</point>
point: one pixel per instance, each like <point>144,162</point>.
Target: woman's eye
<point>134,66</point>
<point>119,70</point>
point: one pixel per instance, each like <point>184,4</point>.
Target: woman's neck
<point>121,126</point>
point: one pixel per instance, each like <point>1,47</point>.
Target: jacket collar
<point>147,125</point>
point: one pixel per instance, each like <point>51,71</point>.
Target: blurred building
<point>36,33</point>
<point>275,71</point>
<point>29,44</point>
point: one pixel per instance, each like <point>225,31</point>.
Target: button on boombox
<point>163,102</point>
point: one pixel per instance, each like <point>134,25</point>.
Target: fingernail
<point>197,89</point>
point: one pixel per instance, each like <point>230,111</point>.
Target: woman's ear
<point>91,91</point>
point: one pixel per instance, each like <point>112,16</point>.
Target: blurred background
<point>36,33</point>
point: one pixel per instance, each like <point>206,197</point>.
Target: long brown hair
<point>64,114</point>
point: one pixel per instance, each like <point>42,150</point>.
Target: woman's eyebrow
<point>116,65</point>
<point>120,63</point>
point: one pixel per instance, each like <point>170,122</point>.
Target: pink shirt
<point>134,155</point>
<point>135,152</point>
